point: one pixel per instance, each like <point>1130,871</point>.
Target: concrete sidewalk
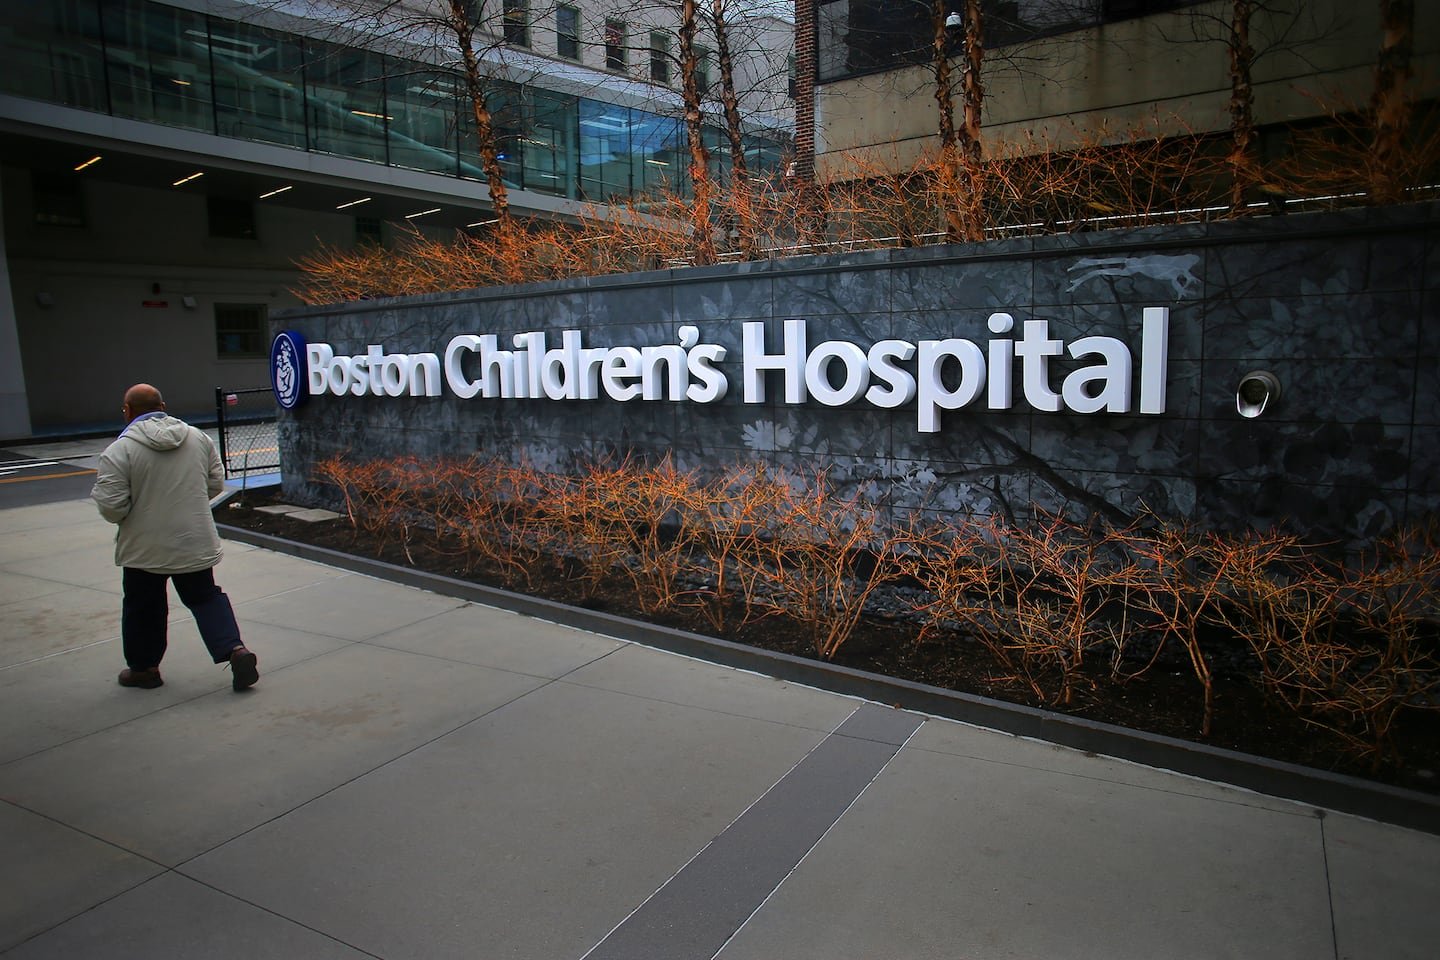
<point>417,776</point>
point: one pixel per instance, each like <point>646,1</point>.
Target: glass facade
<point>161,64</point>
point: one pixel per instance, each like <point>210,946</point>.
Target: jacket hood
<point>158,433</point>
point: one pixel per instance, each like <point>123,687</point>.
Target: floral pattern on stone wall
<point>1342,308</point>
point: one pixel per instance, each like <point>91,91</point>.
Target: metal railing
<point>245,422</point>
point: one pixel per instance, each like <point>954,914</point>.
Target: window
<point>231,218</point>
<point>702,70</point>
<point>517,23</point>
<point>59,200</point>
<point>345,97</point>
<point>423,127</point>
<point>240,331</point>
<point>567,32</point>
<point>614,45</point>
<point>790,83</point>
<point>368,232</point>
<point>659,57</point>
<point>257,75</point>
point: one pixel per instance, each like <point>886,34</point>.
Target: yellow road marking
<point>48,476</point>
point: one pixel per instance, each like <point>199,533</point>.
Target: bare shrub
<point>820,558</point>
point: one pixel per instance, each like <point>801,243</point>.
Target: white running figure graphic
<point>1176,270</point>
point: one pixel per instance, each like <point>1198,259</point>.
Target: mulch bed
<point>1165,700</point>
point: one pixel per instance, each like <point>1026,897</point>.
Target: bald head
<point>142,399</point>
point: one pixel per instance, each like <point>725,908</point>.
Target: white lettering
<point>454,365</point>
<point>932,391</point>
<point>317,359</point>
<point>791,361</point>
<point>1035,350</point>
<point>621,364</point>
<point>1154,358</point>
<point>899,386</point>
<point>1113,375</point>
<point>817,373</point>
<point>707,383</point>
<point>938,375</point>
<point>1002,363</point>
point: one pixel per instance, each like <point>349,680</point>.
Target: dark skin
<point>140,400</point>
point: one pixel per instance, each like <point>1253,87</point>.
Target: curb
<point>1320,788</point>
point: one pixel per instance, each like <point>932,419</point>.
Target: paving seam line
<point>699,909</point>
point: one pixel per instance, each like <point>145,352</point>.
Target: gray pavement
<point>418,776</point>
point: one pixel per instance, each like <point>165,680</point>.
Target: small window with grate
<point>231,218</point>
<point>702,70</point>
<point>659,57</point>
<point>59,199</point>
<point>368,232</point>
<point>517,23</point>
<point>615,58</point>
<point>567,32</point>
<point>240,331</point>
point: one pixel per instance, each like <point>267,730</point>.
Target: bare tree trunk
<point>1243,172</point>
<point>1390,104</point>
<point>739,169</point>
<point>811,215</point>
<point>949,165</point>
<point>972,95</point>
<point>459,22</point>
<point>704,242</point>
<point>944,87</point>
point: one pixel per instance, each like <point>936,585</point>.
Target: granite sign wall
<point>1092,372</point>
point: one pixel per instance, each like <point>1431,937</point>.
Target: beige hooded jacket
<point>156,482</point>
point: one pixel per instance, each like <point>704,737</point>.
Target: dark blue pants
<point>146,611</point>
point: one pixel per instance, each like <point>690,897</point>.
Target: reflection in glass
<point>423,126</point>
<point>658,155</point>
<point>158,61</point>
<point>259,80</point>
<point>167,65</point>
<point>345,94</point>
<point>604,150</point>
<point>53,52</point>
<point>547,142</point>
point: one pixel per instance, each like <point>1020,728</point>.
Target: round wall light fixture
<point>1257,391</point>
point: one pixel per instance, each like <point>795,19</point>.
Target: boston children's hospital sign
<point>934,375</point>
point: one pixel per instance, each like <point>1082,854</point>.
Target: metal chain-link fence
<point>246,422</point>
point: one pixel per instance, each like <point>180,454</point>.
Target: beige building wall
<point>131,296</point>
<point>1164,74</point>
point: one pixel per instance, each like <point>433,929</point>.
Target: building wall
<point>85,331</point>
<point>1343,308</point>
<point>14,403</point>
<point>1163,74</point>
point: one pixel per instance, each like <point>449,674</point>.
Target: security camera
<point>1258,389</point>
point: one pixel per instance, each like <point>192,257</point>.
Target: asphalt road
<point>25,481</point>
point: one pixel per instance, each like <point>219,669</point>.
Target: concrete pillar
<point>14,401</point>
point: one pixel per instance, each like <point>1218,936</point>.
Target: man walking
<point>155,482</point>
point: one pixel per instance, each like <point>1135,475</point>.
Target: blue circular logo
<point>287,369</point>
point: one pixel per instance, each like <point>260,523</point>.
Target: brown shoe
<point>242,669</point>
<point>148,679</point>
